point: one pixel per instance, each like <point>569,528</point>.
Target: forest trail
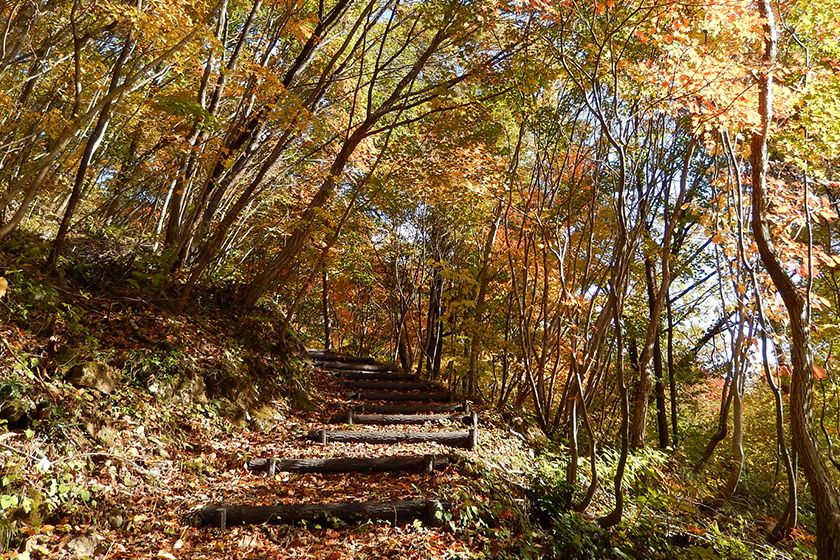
<point>408,429</point>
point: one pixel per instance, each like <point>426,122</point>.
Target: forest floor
<point>117,474</point>
<point>148,478</point>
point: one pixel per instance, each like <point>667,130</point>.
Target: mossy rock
<point>301,400</point>
<point>93,375</point>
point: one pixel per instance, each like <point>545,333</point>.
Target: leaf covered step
<point>375,376</point>
<point>351,417</point>
<point>430,396</point>
<point>467,439</point>
<point>390,385</point>
<point>330,356</point>
<point>428,511</point>
<point>410,463</point>
<point>409,408</point>
<point>351,366</point>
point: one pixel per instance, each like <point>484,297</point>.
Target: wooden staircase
<point>376,395</point>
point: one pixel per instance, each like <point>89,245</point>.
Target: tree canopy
<point>617,219</point>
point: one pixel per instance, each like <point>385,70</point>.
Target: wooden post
<point>432,509</point>
<point>222,518</point>
<point>322,436</point>
<point>430,463</point>
<point>272,467</point>
<point>473,441</point>
<point>350,416</point>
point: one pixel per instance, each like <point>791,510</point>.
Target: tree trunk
<point>90,148</point>
<point>38,174</point>
<point>672,382</point>
<point>823,491</point>
<point>659,387</point>
<point>614,517</point>
<point>279,269</point>
<point>478,311</point>
<point>483,275</point>
<point>434,326</point>
<point>325,307</point>
<point>637,426</point>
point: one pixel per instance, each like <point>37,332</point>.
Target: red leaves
<point>820,373</point>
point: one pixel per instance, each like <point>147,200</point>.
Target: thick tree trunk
<point>823,491</point>
<point>404,351</point>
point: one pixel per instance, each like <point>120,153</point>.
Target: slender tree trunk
<point>640,405</point>
<point>478,311</point>
<point>672,382</point>
<point>739,374</point>
<point>723,424</point>
<point>434,326</point>
<point>325,307</point>
<point>277,272</point>
<point>614,517</point>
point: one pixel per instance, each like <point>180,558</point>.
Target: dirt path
<point>313,496</point>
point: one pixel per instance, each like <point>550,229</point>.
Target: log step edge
<point>353,417</point>
<point>223,516</point>
<point>467,440</point>
<point>410,463</point>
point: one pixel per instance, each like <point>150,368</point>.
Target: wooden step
<point>330,356</point>
<point>351,417</point>
<point>375,376</point>
<point>467,439</point>
<point>410,463</point>
<point>352,366</point>
<point>409,408</point>
<point>389,385</point>
<point>223,516</point>
<point>426,396</point>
